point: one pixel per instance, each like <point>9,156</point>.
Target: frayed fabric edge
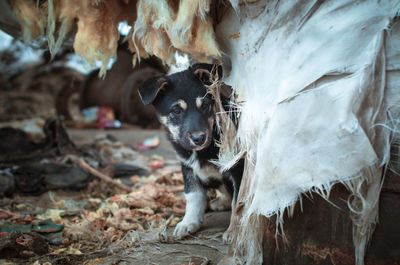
<point>363,204</point>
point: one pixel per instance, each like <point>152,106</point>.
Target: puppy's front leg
<point>234,177</point>
<point>196,202</point>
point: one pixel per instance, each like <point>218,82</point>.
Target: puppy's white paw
<point>221,203</point>
<point>185,228</point>
<point>227,236</point>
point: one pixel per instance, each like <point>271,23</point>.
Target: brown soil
<point>150,242</point>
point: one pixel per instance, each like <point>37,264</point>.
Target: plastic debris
<point>106,118</point>
<point>156,164</point>
<point>149,143</point>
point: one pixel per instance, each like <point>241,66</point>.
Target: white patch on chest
<point>204,172</point>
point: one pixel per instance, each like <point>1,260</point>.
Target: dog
<point>186,110</point>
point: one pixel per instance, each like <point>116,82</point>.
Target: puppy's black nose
<point>198,137</point>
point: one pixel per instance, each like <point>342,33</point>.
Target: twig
<point>164,238</point>
<point>102,176</point>
<point>176,189</point>
<point>192,243</point>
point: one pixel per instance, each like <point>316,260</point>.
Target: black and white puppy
<point>186,110</point>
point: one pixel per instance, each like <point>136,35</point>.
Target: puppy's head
<point>183,105</point>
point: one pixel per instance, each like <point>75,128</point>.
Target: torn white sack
<point>312,77</point>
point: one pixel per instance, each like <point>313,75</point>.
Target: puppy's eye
<point>177,110</point>
<point>207,105</point>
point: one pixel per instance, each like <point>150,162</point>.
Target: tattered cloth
<point>319,82</point>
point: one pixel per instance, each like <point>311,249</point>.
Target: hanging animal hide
<point>159,28</point>
<point>31,19</point>
<point>314,78</point>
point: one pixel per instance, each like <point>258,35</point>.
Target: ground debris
<point>34,165</point>
<point>54,212</point>
<point>102,176</point>
<point>102,223</point>
<point>22,245</point>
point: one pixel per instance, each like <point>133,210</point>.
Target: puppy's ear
<point>149,90</point>
<point>207,73</point>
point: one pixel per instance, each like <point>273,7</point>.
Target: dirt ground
<point>150,244</point>
<point>55,211</point>
<point>158,247</point>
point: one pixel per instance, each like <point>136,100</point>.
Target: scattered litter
<point>102,176</point>
<point>149,143</point>
<point>156,164</point>
<point>18,147</point>
<point>39,177</point>
<point>31,126</point>
<point>138,193</point>
<point>106,118</point>
<point>46,226</point>
<point>71,251</point>
<point>90,114</point>
<point>103,117</point>
<point>53,214</point>
<point>22,245</point>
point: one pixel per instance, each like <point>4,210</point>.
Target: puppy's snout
<point>198,138</point>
